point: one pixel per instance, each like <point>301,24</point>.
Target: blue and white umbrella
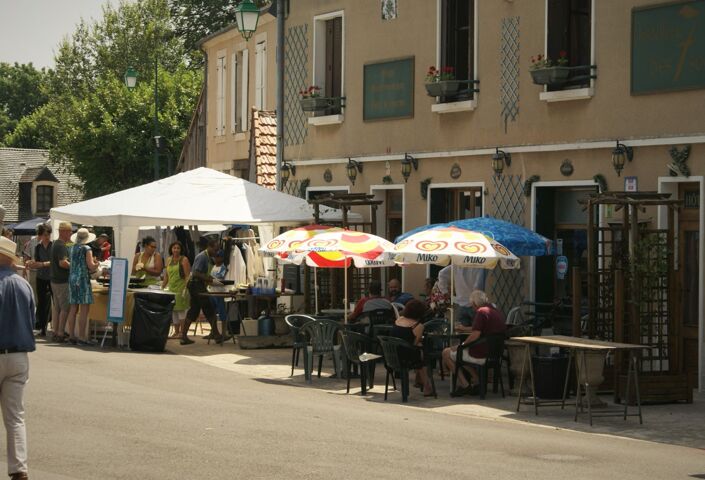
<point>519,240</point>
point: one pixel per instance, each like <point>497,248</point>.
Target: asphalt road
<point>96,414</point>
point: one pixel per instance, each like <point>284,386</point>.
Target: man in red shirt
<point>487,321</point>
<point>373,301</point>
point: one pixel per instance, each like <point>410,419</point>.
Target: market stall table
<point>576,345</point>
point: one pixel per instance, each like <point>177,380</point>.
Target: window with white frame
<point>569,37</point>
<point>261,75</point>
<point>457,46</point>
<point>329,57</point>
<point>220,78</point>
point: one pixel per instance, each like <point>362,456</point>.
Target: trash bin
<point>549,375</point>
<point>151,321</point>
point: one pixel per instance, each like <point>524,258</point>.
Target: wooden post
<point>577,300</point>
<point>591,273</point>
<point>618,327</point>
<point>634,293</point>
<point>675,342</point>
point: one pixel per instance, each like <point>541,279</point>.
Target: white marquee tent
<point>200,196</point>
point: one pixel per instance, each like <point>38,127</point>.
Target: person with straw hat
<point>80,292</point>
<point>16,340</point>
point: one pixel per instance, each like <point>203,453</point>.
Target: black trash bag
<point>150,322</point>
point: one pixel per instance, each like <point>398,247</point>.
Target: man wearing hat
<point>16,340</point>
<point>59,276</point>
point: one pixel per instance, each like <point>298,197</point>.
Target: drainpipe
<point>280,90</point>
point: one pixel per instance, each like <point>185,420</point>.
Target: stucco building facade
<point>637,77</point>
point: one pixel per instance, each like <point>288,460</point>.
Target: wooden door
<point>688,277</point>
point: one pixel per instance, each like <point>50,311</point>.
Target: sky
<point>30,30</point>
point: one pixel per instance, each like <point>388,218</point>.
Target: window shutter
<point>220,96</point>
<point>233,93</point>
<point>260,75</point>
<point>334,51</point>
<point>244,106</point>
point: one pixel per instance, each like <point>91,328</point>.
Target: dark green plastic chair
<point>320,336</point>
<point>296,322</point>
<point>495,346</point>
<point>399,358</point>
<point>435,340</point>
<point>356,344</point>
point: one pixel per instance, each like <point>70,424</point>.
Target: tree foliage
<point>93,124</point>
<point>196,19</point>
<point>22,91</point>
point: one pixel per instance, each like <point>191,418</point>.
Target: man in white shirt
<point>467,280</point>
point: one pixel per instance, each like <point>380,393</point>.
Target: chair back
<point>355,344</point>
<point>436,335</point>
<point>495,345</point>
<point>380,316</point>
<point>295,323</point>
<point>392,350</point>
<point>321,335</point>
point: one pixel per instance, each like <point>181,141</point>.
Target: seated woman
<point>149,263</point>
<point>487,321</point>
<point>409,327</point>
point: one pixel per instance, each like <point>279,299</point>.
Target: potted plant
<point>311,100</point>
<point>545,71</point>
<point>441,82</point>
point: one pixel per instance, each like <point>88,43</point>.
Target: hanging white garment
<point>237,271</point>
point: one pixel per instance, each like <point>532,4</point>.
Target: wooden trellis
<point>632,292</point>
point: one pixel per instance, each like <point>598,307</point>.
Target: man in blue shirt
<point>16,339</point>
<point>394,293</point>
<point>200,279</point>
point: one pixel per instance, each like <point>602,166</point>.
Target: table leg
<point>578,390</point>
<point>521,378</point>
<point>636,387</point>
<point>567,376</point>
<point>533,380</point>
<point>627,394</point>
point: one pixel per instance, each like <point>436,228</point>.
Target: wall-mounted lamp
<point>499,158</point>
<point>618,154</point>
<point>406,165</point>
<point>353,168</point>
<point>286,171</point>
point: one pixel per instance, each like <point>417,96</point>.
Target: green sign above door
<point>389,89</point>
<point>668,47</point>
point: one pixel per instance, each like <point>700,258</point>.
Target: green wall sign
<point>668,47</point>
<point>389,89</point>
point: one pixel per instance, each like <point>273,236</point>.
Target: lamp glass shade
<point>352,172</point>
<point>246,16</point>
<point>285,172</point>
<point>130,78</point>
<point>497,163</point>
<point>405,169</point>
<point>618,159</point>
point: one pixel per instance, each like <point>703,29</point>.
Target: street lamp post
<point>247,15</point>
<point>130,79</point>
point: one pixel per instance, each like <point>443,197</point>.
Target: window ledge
<point>326,120</point>
<point>566,95</point>
<point>240,136</point>
<point>451,107</point>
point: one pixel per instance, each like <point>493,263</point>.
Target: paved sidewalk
<point>678,424</point>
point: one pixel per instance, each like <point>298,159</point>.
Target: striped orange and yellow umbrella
<point>340,249</point>
<point>283,245</point>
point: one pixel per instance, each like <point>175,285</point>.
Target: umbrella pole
<point>315,286</point>
<point>452,299</point>
<point>345,306</point>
